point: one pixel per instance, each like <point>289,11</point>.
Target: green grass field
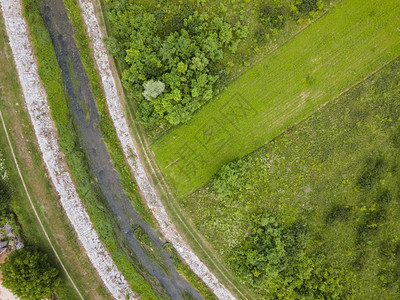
<point>338,173</point>
<point>350,42</point>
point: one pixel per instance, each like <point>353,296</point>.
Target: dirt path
<point>36,102</point>
<point>154,203</point>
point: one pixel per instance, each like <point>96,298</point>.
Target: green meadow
<point>334,176</point>
<point>350,42</point>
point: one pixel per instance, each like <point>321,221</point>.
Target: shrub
<point>272,15</point>
<point>5,194</point>
<point>229,177</point>
<point>29,275</point>
<point>338,212</point>
<point>371,174</point>
<point>306,6</point>
<point>274,261</point>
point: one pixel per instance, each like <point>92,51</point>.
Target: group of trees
<point>29,275</point>
<point>172,53</point>
<point>274,260</point>
<point>273,15</point>
<point>170,60</point>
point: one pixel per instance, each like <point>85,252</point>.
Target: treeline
<point>170,61</point>
<point>174,54</point>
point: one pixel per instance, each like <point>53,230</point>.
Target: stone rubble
<point>153,202</point>
<point>45,130</point>
<point>14,242</point>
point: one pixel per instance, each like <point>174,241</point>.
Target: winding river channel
<point>86,119</point>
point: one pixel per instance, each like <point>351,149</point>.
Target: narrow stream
<point>84,112</point>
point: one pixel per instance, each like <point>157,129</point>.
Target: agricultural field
<point>321,200</point>
<point>337,51</point>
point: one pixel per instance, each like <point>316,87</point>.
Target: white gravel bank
<point>36,102</point>
<point>154,203</point>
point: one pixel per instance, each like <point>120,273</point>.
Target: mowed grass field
<point>354,39</point>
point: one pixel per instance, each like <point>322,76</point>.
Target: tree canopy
<point>274,260</point>
<point>181,52</point>
<point>29,275</point>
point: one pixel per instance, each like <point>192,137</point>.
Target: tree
<point>274,260</point>
<point>152,89</point>
<point>28,274</point>
<point>175,55</point>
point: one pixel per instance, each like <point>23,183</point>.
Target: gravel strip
<point>45,130</point>
<point>154,203</point>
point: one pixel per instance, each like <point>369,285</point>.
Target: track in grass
<point>353,40</point>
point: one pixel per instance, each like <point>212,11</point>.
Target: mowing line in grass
<point>348,43</point>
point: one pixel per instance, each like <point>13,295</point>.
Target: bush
<point>274,261</point>
<point>371,174</point>
<point>229,178</point>
<point>338,212</point>
<point>5,195</point>
<point>28,274</point>
<point>273,15</point>
<point>306,6</point>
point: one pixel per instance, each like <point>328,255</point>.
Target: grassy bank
<point>137,130</point>
<point>337,173</point>
<point>348,43</point>
<point>44,196</point>
<point>101,217</point>
<point>106,125</point>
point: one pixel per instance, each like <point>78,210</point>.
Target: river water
<point>86,120</point>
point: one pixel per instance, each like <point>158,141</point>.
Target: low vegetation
<point>29,275</point>
<point>288,85</point>
<point>106,126</point>
<point>314,213</point>
<point>187,273</point>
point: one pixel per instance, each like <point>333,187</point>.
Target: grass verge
<point>352,40</point>
<point>101,217</point>
<point>42,193</point>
